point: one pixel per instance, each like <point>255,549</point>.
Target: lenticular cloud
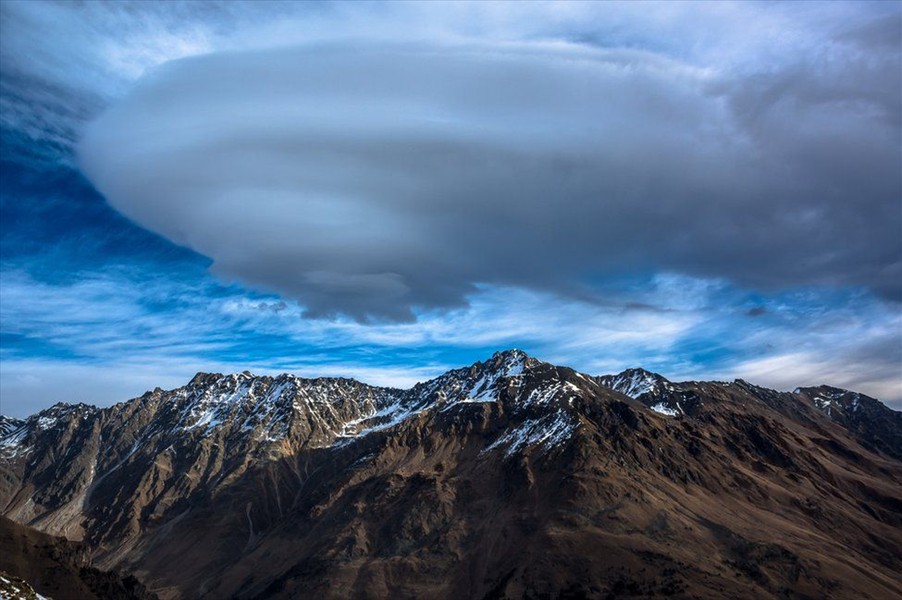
<point>373,180</point>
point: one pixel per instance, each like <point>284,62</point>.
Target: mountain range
<point>510,478</point>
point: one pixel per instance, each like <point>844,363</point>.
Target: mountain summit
<point>512,477</point>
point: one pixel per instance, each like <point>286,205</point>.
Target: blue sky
<point>386,191</point>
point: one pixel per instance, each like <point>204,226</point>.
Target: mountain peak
<point>510,353</point>
<point>829,399</point>
<point>202,378</point>
<point>510,362</point>
<point>634,382</point>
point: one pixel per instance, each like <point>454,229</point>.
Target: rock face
<point>875,426</point>
<point>510,478</point>
<point>35,565</point>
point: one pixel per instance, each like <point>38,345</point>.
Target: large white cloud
<point>371,179</point>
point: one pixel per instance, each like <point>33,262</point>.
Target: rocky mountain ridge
<point>334,485</point>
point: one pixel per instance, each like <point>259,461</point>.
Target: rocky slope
<point>509,478</point>
<point>35,565</point>
<point>15,588</point>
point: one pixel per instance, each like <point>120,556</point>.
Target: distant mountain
<point>509,478</point>
<point>873,424</point>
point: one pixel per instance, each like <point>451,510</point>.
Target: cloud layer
<point>106,337</point>
<point>375,180</point>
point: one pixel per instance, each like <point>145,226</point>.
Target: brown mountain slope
<point>634,504</point>
<point>512,478</point>
<point>58,568</point>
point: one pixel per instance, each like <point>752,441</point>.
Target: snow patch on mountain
<point>663,409</point>
<point>384,418</point>
<point>17,436</point>
<point>12,443</point>
<point>830,400</point>
<point>12,588</point>
<point>549,431</point>
<point>481,383</point>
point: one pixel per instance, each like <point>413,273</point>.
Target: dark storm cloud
<point>369,179</point>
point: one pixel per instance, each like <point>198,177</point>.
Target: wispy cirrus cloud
<point>159,333</point>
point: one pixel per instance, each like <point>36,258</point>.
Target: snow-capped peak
<point>635,382</point>
<point>16,433</point>
<point>510,362</point>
